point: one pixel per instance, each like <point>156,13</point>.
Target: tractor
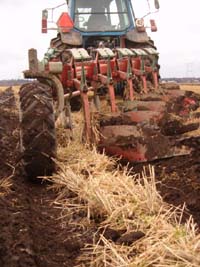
<point>102,49</point>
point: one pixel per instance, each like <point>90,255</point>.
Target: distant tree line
<point>182,80</point>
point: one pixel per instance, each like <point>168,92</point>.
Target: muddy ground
<point>180,181</point>
<point>31,233</point>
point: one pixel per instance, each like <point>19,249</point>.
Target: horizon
<point>177,39</point>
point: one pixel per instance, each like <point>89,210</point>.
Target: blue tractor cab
<point>90,22</point>
<point>102,17</point>
<point>110,21</point>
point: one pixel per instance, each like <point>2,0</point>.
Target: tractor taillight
<point>44,20</point>
<point>153,25</point>
<point>65,23</point>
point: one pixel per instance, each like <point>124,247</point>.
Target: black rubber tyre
<point>38,138</point>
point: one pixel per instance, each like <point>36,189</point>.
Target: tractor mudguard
<point>71,38</point>
<point>137,37</point>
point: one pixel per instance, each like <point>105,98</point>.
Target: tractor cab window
<point>101,15</point>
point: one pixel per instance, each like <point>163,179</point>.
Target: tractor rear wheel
<point>37,132</point>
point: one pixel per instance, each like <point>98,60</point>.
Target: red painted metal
<point>103,66</point>
<point>65,22</point>
<point>136,69</point>
<point>138,143</point>
<point>67,75</point>
<point>123,141</point>
<point>123,74</point>
<point>103,79</point>
<point>44,21</point>
<point>107,72</point>
<point>136,63</point>
<point>77,84</point>
<point>77,93</point>
<point>112,97</point>
<point>44,25</point>
<point>153,25</point>
<point>126,136</point>
<point>122,64</point>
<point>131,154</point>
<point>154,75</point>
<point>155,79</point>
<point>189,102</point>
<point>86,110</point>
<point>144,81</point>
<point>131,90</point>
<point>89,67</point>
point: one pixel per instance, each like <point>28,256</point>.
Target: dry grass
<point>14,88</point>
<point>191,87</point>
<point>121,201</point>
<point>3,88</point>
<point>166,245</point>
<point>6,183</point>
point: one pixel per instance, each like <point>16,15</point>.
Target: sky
<point>177,38</point>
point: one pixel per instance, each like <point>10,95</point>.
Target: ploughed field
<point>180,176</point>
<point>36,230</point>
<point>30,232</point>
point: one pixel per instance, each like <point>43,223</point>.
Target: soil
<point>180,180</point>
<point>31,233</point>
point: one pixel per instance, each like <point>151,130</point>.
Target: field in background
<point>2,88</point>
<point>184,86</point>
<point>191,87</point>
<point>14,88</point>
